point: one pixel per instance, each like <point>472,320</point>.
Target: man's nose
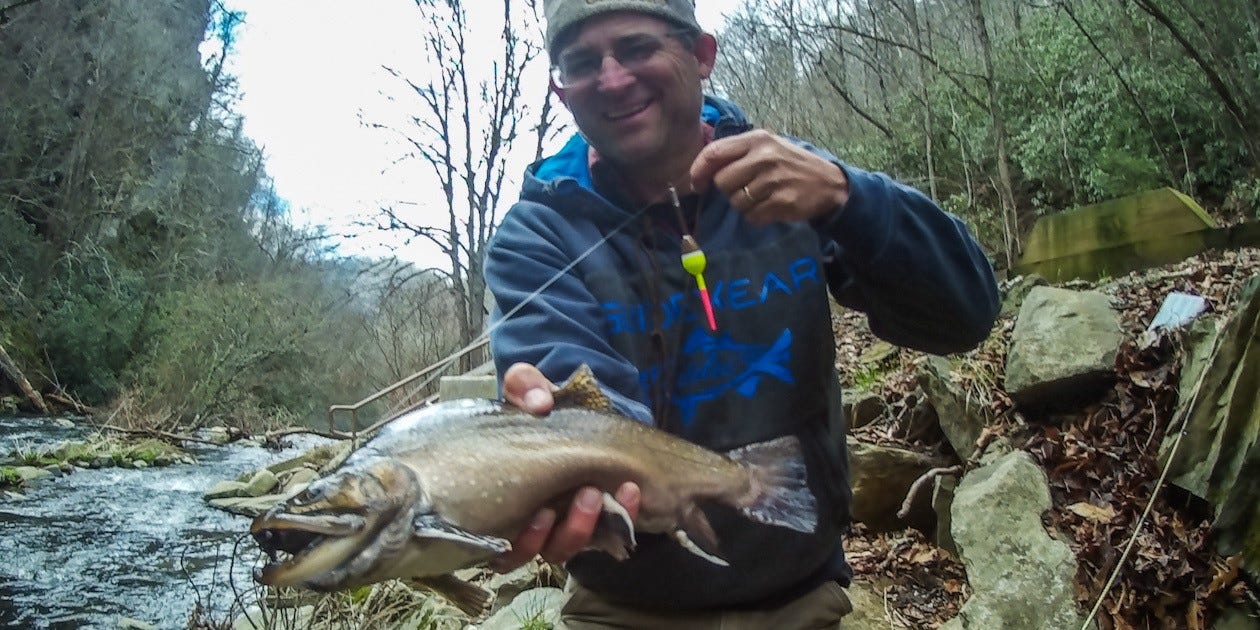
<point>613,75</point>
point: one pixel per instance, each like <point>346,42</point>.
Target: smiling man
<point>587,269</point>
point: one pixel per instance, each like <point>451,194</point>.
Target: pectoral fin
<point>473,600</point>
<point>434,526</point>
<point>696,535</point>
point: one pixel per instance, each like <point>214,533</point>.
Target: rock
<point>261,483</point>
<point>31,473</point>
<point>1021,578</point>
<point>1216,438</point>
<point>225,489</point>
<point>879,352</point>
<point>297,477</point>
<point>537,574</point>
<point>868,608</point>
<point>468,386</point>
<point>139,463</point>
<point>961,422</point>
<point>218,435</point>
<point>101,462</point>
<point>881,477</point>
<point>64,423</point>
<point>537,605</point>
<point>248,506</point>
<point>127,623</point>
<point>1063,348</point>
<point>1015,290</point>
<point>862,407</point>
<point>9,495</point>
<point>942,504</point>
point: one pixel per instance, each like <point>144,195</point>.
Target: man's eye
<point>637,51</point>
<point>579,67</point>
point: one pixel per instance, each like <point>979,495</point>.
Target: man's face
<point>632,115</point>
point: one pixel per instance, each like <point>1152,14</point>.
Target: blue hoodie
<point>625,307</point>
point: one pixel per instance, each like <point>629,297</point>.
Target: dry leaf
<point>1093,512</point>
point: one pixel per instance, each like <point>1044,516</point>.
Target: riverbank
<point>98,545</point>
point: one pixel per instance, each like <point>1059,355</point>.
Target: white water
<point>91,547</point>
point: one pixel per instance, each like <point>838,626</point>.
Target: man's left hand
<point>770,179</point>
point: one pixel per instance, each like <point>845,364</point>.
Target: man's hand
<point>557,542</point>
<point>770,179</point>
<point>525,386</point>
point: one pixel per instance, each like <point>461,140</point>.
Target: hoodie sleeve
<point>914,269</point>
<point>562,327</point>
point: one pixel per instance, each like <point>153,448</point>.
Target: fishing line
<point>481,338</point>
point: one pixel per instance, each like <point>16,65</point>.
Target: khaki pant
<point>820,609</point>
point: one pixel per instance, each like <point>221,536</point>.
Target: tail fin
<point>783,497</point>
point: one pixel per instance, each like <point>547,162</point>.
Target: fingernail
<point>535,398</point>
<point>543,520</point>
<point>590,499</point>
<point>628,494</point>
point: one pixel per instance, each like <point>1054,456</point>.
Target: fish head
<point>335,533</point>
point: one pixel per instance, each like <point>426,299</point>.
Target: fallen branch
<point>67,401</point>
<point>920,482</point>
<point>280,433</point>
<point>160,434</point>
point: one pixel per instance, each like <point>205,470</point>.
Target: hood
<point>570,166</point>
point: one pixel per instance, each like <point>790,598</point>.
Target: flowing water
<point>86,549</point>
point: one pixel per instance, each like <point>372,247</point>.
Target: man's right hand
<point>526,387</point>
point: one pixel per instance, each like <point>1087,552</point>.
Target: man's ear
<point>557,90</point>
<point>706,53</point>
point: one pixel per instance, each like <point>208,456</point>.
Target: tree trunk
<point>1005,189</point>
<point>11,371</point>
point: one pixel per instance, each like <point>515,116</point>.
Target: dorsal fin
<point>582,390</point>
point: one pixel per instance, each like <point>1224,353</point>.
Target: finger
<point>527,544</point>
<point>574,533</point>
<point>629,496</point>
<point>717,155</point>
<point>525,386</point>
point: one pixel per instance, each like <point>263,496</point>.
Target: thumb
<point>525,386</point>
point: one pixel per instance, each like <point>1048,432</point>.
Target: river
<point>89,548</point>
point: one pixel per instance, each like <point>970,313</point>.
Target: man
<point>586,269</point>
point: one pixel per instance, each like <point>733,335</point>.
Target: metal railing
<point>408,401</point>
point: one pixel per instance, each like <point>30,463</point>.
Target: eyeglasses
<point>580,68</point>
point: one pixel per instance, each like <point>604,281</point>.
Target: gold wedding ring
<point>749,195</point>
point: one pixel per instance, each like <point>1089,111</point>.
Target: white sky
<point>310,70</point>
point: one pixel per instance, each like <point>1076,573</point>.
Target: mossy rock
<point>9,478</point>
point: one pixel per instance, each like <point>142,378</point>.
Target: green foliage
<point>1243,202</point>
<point>92,319</point>
<point>224,350</point>
<point>1097,100</point>
<point>9,478</point>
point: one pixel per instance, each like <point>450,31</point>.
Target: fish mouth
<point>301,547</point>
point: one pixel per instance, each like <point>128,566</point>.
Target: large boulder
<point>1218,457</point>
<point>882,476</point>
<point>1021,578</point>
<point>1015,290</point>
<point>862,407</point>
<point>960,416</point>
<point>1063,348</point>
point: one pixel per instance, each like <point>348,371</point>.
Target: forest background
<point>149,267</point>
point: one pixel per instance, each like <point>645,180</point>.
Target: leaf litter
<point>1101,462</point>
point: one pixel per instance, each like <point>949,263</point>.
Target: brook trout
<point>445,488</point>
